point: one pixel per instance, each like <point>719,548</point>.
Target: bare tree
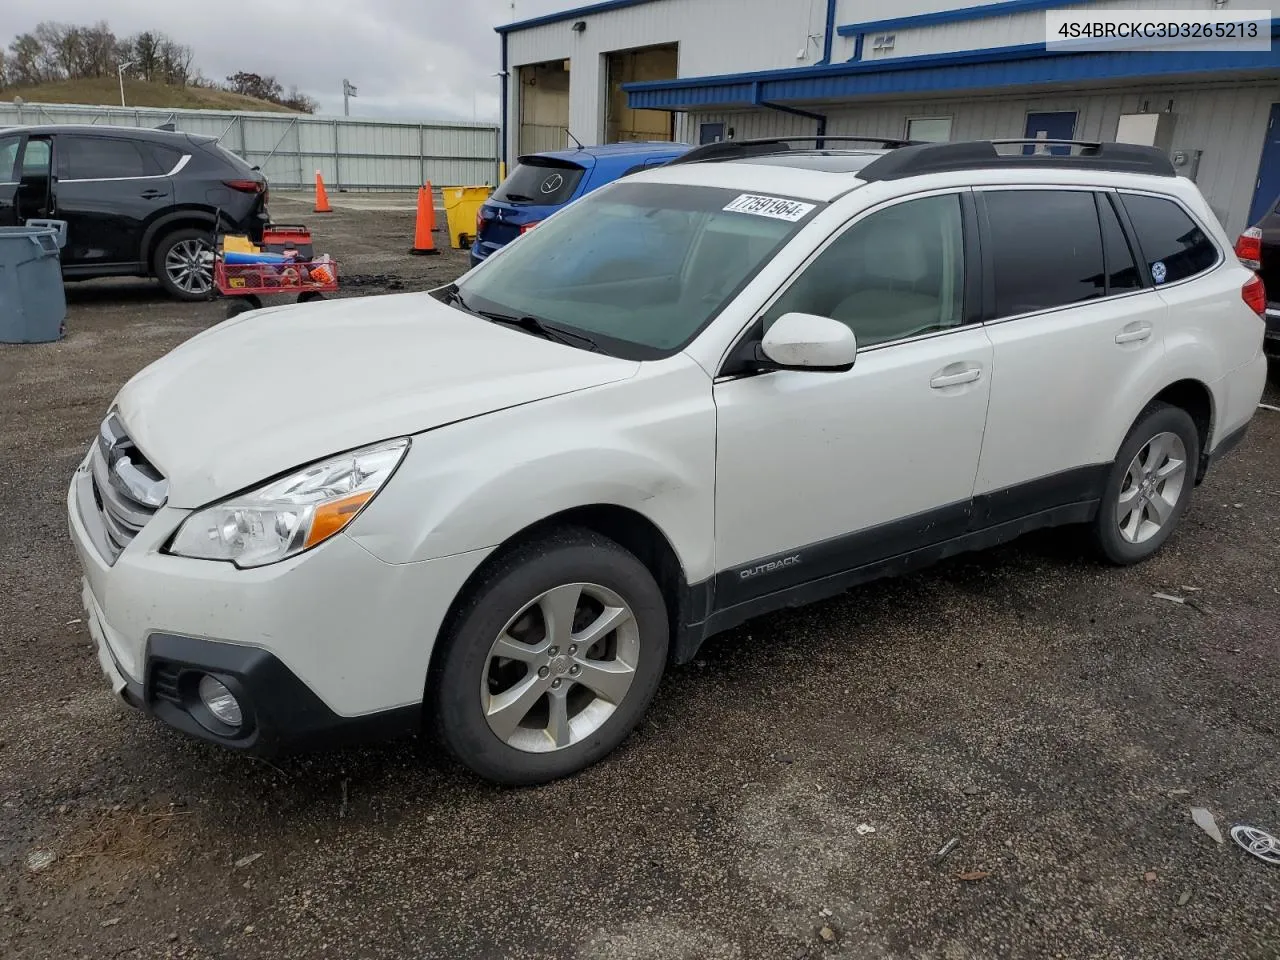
<point>175,61</point>
<point>100,58</point>
<point>25,65</point>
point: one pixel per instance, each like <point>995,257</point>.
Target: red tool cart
<point>288,267</point>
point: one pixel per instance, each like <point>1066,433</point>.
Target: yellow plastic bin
<point>460,207</point>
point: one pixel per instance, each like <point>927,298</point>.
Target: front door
<point>10,179</point>
<point>1266,190</point>
<point>821,473</point>
<point>1060,125</point>
<point>107,191</point>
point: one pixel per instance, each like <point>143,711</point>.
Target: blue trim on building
<point>575,14</point>
<point>956,15</point>
<point>829,34</point>
<point>1020,65</point>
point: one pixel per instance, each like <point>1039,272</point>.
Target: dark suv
<point>137,202</point>
<point>1264,249</point>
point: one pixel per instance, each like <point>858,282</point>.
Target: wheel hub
<point>560,665</point>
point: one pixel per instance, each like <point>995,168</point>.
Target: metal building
<point>698,70</point>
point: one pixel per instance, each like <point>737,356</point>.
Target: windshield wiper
<point>451,295</point>
<point>539,329</point>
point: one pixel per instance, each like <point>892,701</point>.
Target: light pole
<point>348,91</point>
<point>120,73</point>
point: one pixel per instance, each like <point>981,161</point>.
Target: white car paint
<point>508,430</point>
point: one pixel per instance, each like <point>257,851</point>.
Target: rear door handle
<point>1134,332</point>
<point>967,375</point>
<point>154,194</point>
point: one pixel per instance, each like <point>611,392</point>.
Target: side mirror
<point>805,341</point>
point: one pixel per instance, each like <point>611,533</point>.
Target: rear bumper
<point>1271,339</point>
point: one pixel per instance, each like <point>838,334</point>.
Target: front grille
<point>127,489</point>
<point>164,682</point>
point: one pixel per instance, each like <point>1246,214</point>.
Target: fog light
<point>220,701</point>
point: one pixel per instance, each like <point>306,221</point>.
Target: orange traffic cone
<point>423,244</point>
<point>322,198</point>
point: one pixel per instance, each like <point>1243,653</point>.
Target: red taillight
<point>528,226</point>
<point>246,186</point>
<point>1249,248</point>
<point>1255,295</point>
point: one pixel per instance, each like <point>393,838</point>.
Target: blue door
<point>1050,126</point>
<point>710,132</point>
<point>1267,188</point>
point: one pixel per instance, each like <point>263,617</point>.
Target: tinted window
<point>8,156</point>
<point>1046,248</point>
<point>35,159</point>
<point>639,267</point>
<point>1122,269</point>
<point>166,158</point>
<point>896,273</point>
<point>1173,246</point>
<point>538,182</point>
<point>98,158</point>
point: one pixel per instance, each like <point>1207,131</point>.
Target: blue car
<point>542,183</point>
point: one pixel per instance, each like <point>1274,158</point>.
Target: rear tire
<point>1149,486</point>
<point>551,661</point>
<point>181,265</point>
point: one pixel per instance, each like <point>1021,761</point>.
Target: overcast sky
<point>419,59</point>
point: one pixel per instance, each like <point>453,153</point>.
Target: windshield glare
<point>638,267</point>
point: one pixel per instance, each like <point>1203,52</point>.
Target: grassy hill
<point>138,93</point>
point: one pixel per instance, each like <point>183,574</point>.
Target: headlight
<point>291,514</point>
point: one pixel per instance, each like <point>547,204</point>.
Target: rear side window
<point>536,181</point>
<point>8,156</point>
<point>166,157</point>
<point>1046,249</point>
<point>1122,269</point>
<point>1173,246</point>
<point>99,158</point>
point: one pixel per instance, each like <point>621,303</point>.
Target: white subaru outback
<point>750,379</point>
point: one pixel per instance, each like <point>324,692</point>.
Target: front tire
<point>552,660</point>
<point>1149,486</point>
<point>183,263</point>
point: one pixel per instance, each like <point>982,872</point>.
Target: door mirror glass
<point>805,341</point>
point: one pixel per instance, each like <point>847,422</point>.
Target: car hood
<point>274,389</point>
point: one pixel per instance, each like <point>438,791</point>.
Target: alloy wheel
<point>560,667</point>
<point>1152,487</point>
<point>189,267</point>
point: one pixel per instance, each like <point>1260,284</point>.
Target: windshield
<point>540,180</point>
<point>640,268</point>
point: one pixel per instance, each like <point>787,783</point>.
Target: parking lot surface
<point>1051,715</point>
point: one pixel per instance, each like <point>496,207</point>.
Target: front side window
<point>1046,249</point>
<point>8,157</point>
<point>98,158</point>
<point>1173,246</point>
<point>898,272</point>
<point>638,267</point>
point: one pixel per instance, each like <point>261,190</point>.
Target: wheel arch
<point>184,219</point>
<point>1196,399</point>
<point>628,528</point>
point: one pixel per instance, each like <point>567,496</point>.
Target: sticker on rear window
<point>1158,271</point>
<point>775,207</point>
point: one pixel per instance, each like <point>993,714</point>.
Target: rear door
<point>535,189</point>
<point>108,190</point>
<point>1077,334</point>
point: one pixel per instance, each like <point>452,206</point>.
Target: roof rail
<point>978,154</point>
<point>737,149</point>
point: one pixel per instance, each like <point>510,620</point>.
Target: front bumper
<point>333,643</point>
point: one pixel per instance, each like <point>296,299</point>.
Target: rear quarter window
<point>1172,245</point>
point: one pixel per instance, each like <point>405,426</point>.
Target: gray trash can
<point>33,306</point>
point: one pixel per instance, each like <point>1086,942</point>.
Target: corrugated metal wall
<point>352,154</point>
<point>1226,121</point>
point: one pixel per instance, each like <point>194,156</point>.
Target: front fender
<point>647,444</point>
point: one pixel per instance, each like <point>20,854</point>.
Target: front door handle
<point>967,375</point>
<point>153,194</point>
<point>1134,333</point>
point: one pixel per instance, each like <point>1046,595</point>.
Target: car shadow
<point>118,291</point>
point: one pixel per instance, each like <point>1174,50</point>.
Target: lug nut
<point>543,671</point>
<point>573,648</point>
<point>553,651</point>
<point>556,683</point>
<point>575,669</point>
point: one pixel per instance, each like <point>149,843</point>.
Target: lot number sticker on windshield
<point>775,207</point>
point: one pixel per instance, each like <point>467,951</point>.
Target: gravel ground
<point>1049,714</point>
